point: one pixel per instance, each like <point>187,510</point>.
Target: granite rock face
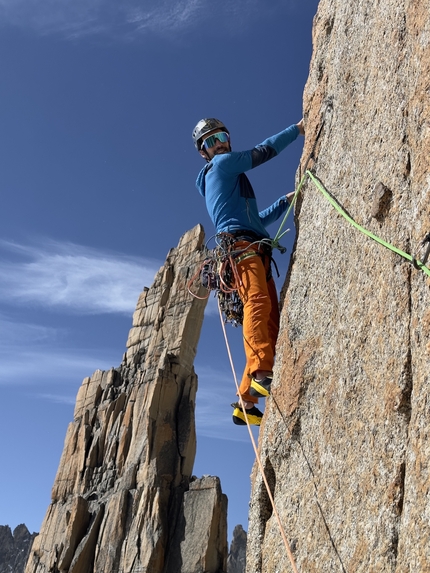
<point>123,498</point>
<point>14,548</point>
<point>345,442</point>
<point>200,537</point>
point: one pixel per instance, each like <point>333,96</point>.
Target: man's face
<point>217,148</point>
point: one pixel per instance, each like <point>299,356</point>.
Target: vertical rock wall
<point>118,501</point>
<point>345,438</point>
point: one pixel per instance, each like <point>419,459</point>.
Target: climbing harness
<point>218,272</point>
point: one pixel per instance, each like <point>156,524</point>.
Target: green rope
<point>339,209</point>
<point>323,190</point>
<point>279,235</point>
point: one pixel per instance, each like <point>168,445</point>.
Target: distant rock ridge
<point>14,548</point>
<point>236,561</point>
<point>124,499</point>
<point>345,439</point>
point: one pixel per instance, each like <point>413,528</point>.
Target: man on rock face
<point>231,204</point>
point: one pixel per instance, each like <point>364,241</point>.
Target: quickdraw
<point>426,255</point>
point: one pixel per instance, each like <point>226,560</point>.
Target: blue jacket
<point>230,198</point>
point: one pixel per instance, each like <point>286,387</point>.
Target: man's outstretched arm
<point>273,145</point>
<point>239,162</point>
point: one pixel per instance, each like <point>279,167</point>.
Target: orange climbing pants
<point>260,313</point>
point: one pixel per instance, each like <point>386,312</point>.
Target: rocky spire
<point>344,441</point>
<point>123,498</point>
<point>236,561</point>
<point>14,548</point>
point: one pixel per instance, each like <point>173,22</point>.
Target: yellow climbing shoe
<point>260,388</point>
<point>253,414</point>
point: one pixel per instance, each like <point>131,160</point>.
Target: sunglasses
<point>211,140</point>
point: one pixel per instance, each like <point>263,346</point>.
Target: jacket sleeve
<point>235,162</point>
<point>272,213</point>
<point>273,145</point>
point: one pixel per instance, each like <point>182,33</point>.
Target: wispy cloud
<point>40,361</point>
<point>58,399</point>
<point>165,15</point>
<point>76,18</point>
<point>16,333</point>
<point>48,366</point>
<point>82,17</point>
<point>72,277</point>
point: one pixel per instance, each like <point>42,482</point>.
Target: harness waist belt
<point>246,235</point>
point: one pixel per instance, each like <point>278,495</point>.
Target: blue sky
<point>97,171</point>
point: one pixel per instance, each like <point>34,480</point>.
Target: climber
<point>231,204</point>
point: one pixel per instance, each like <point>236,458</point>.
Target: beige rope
<point>257,457</point>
